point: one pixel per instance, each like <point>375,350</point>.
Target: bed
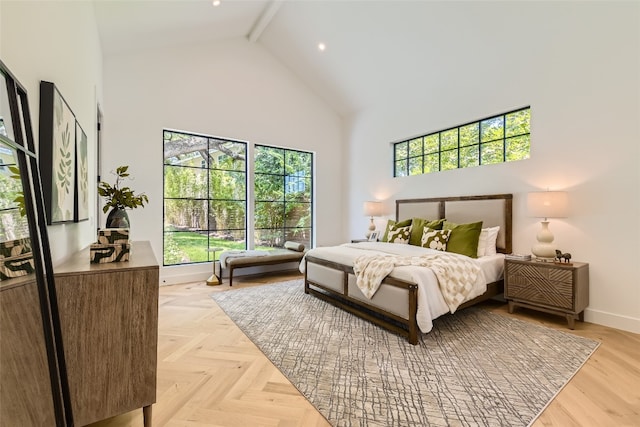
<point>410,297</point>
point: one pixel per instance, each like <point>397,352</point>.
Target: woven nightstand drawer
<point>541,290</point>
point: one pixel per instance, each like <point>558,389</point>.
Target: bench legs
<point>231,268</point>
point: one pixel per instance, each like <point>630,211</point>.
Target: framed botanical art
<point>57,154</point>
<point>82,176</point>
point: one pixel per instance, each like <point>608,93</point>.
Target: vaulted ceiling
<point>375,50</point>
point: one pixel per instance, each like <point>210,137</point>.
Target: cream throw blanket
<point>456,273</point>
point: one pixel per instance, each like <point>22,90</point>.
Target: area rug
<point>475,368</point>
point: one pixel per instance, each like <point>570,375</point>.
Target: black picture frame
<point>81,194</point>
<point>57,155</point>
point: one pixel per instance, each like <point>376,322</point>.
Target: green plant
<point>120,197</point>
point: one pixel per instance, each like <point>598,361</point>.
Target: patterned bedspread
<point>456,273</point>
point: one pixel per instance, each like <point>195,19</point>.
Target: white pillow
<point>482,242</point>
<point>491,238</point>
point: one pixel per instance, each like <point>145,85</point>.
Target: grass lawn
<point>192,247</point>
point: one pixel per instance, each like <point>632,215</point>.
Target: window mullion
<point>250,196</point>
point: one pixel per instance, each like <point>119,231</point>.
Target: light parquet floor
<point>211,374</point>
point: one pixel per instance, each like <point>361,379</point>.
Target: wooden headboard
<point>492,210</point>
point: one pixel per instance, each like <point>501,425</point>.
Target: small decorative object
<point>16,258</point>
<point>114,252</point>
<point>113,246</point>
<point>560,257</point>
<point>518,257</point>
<point>113,235</point>
<point>120,198</point>
<point>373,237</point>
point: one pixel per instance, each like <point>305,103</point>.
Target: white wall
<point>231,89</point>
<point>577,65</point>
<point>58,42</point>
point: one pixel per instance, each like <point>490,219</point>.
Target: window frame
<point>250,230</point>
<point>448,154</point>
<point>284,200</point>
<point>207,198</point>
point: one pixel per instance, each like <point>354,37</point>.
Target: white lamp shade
<point>372,208</point>
<point>548,204</point>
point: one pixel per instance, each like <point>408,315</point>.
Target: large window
<point>205,201</point>
<point>283,196</point>
<point>497,139</point>
<point>206,197</point>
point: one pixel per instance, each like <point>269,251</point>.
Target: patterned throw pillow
<point>435,239</point>
<point>418,225</point>
<point>399,234</point>
<point>391,223</point>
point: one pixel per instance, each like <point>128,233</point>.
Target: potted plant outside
<point>119,198</point>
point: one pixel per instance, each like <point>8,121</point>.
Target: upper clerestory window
<point>496,139</point>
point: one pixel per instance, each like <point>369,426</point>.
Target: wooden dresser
<point>109,323</point>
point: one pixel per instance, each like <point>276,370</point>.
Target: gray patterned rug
<point>475,368</point>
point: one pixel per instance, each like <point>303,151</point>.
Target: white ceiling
<point>377,51</point>
<point>129,25</point>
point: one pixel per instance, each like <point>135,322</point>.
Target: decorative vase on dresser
<point>117,218</point>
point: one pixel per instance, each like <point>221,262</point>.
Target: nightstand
<point>359,240</point>
<point>549,287</point>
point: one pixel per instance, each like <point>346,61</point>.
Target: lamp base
<point>544,249</point>
<point>372,228</point>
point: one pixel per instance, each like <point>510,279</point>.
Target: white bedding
<point>431,303</point>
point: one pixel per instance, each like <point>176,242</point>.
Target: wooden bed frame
<point>335,283</point>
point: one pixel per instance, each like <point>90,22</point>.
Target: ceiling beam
<point>264,20</point>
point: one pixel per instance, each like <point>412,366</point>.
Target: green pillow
<point>464,238</point>
<point>417,227</point>
<point>390,223</point>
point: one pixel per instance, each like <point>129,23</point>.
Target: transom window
<point>497,139</point>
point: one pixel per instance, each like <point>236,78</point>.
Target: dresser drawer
<point>541,271</point>
<point>542,291</point>
<point>539,283</point>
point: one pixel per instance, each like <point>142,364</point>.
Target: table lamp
<point>372,209</point>
<point>546,204</point>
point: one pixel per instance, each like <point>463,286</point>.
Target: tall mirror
<point>34,390</point>
<point>15,241</point>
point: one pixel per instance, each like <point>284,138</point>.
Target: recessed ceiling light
<point>216,2</point>
<point>321,47</point>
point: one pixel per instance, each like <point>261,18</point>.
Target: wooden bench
<point>278,256</point>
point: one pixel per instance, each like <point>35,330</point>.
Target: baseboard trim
<point>625,323</point>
